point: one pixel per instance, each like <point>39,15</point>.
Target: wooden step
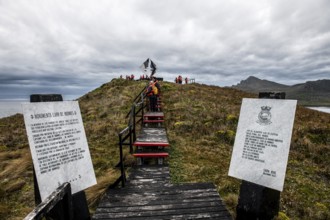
<point>159,115</point>
<point>142,156</point>
<point>151,155</point>
<point>151,144</point>
<point>152,135</point>
<point>149,195</point>
<point>153,121</point>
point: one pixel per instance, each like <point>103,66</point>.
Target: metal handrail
<point>61,195</point>
<point>129,132</point>
<point>140,93</point>
<point>137,99</point>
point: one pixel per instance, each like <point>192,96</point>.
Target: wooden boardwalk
<point>150,195</point>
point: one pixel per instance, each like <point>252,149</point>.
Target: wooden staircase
<point>152,140</point>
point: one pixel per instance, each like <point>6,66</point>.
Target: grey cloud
<point>81,45</point>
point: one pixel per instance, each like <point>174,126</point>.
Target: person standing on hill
<point>180,79</point>
<point>150,92</point>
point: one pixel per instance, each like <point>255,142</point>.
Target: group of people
<point>152,92</point>
<point>179,80</point>
<point>131,77</point>
<point>144,77</point>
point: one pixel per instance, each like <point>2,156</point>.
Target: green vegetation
<point>201,123</point>
<point>103,111</point>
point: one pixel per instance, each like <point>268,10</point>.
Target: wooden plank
<point>194,213</point>
<point>113,203</point>
<point>149,155</point>
<point>168,189</point>
<point>153,121</point>
<point>149,194</point>
<point>154,115</point>
<point>217,216</point>
<point>152,135</point>
<point>164,188</point>
<point>146,197</point>
<point>207,201</point>
<point>154,207</point>
<point>179,217</point>
<point>150,169</point>
<point>151,144</point>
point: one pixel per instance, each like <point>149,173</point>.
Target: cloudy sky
<point>73,46</point>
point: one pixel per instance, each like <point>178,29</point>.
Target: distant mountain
<point>255,85</point>
<point>310,93</point>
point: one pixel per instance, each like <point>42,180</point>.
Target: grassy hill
<point>201,123</point>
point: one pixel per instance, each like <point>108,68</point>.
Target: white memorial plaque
<point>262,141</point>
<point>58,146</point>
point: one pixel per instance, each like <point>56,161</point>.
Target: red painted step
<point>153,121</point>
<point>151,144</point>
<point>163,154</point>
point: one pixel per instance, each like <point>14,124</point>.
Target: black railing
<point>124,135</point>
<point>61,197</point>
<point>128,135</point>
<point>139,98</point>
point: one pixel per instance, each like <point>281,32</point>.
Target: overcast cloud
<point>71,47</point>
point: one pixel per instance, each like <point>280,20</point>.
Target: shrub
<point>227,136</point>
<point>282,216</point>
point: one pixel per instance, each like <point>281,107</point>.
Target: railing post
<point>37,196</point>
<point>134,122</point>
<point>131,138</point>
<point>142,103</point>
<point>122,170</point>
<point>61,198</point>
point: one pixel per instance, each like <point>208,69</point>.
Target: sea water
<point>321,109</point>
<point>11,107</point>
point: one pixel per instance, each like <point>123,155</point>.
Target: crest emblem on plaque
<point>264,116</point>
